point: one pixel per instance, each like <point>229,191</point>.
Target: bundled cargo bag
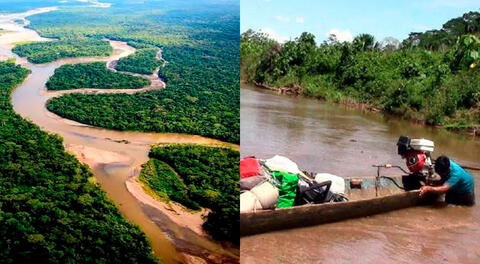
<point>287,189</point>
<point>267,194</point>
<point>249,202</point>
<point>338,183</point>
<point>250,182</point>
<point>249,167</point>
<point>282,164</point>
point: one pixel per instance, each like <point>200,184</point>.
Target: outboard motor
<point>417,153</point>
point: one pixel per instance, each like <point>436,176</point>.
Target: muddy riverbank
<point>351,103</point>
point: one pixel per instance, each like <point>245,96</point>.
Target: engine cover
<point>415,160</point>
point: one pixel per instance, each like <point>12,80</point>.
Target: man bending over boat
<point>458,184</point>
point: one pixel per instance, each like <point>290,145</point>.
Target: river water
<point>114,156</point>
<point>324,137</point>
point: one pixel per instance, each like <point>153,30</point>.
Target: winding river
<point>324,137</point>
<point>115,157</point>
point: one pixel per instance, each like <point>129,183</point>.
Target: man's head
<point>442,166</point>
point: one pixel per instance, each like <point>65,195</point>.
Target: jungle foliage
<point>92,75</point>
<point>165,182</point>
<point>417,80</point>
<point>43,52</point>
<point>200,44</point>
<point>198,176</point>
<point>51,209</point>
<point>143,61</point>
<point>442,39</point>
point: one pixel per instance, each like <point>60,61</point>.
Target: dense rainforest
<point>200,43</point>
<point>43,52</point>
<point>92,75</point>
<point>143,61</point>
<point>51,209</point>
<point>198,176</point>
<point>431,76</point>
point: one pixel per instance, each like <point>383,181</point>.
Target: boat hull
<point>308,215</point>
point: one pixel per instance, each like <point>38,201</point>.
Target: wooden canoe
<point>385,199</point>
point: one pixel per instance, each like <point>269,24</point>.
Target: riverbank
<point>297,90</point>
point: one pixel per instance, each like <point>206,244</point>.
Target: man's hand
<point>424,190</point>
<point>430,189</point>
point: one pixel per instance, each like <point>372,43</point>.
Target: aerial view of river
<point>325,137</point>
<point>114,156</point>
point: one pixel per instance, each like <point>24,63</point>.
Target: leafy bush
<point>157,175</point>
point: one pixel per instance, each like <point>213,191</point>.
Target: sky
<point>287,19</point>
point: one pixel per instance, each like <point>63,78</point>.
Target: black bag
<point>312,192</point>
<point>335,197</point>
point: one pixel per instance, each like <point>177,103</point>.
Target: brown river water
<point>114,156</point>
<point>324,137</point>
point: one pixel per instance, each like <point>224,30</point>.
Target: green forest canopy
<point>143,61</point>
<point>43,52</point>
<point>92,75</point>
<point>201,46</point>
<point>51,211</point>
<point>444,38</point>
<point>418,79</point>
<point>198,176</point>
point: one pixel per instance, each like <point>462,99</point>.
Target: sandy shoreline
<point>15,32</point>
<point>175,212</point>
<point>162,213</point>
<point>95,157</point>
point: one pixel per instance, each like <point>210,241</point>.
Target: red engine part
<point>415,160</point>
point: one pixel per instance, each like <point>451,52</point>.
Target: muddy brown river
<point>114,156</point>
<point>324,137</point>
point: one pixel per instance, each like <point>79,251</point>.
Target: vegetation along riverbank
<point>198,176</point>
<point>51,209</point>
<point>430,77</point>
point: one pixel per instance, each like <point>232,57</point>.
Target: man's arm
<point>430,189</point>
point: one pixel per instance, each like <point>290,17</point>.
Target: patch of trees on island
<point>92,75</point>
<point>143,61</point>
<point>43,52</point>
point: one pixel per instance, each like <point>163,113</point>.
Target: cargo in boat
<point>366,196</point>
